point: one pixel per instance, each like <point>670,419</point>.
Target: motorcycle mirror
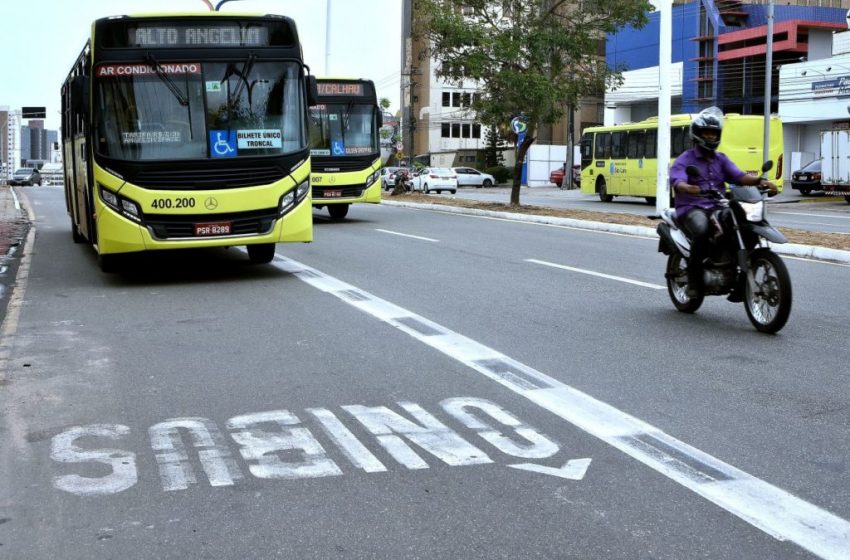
<point>767,166</point>
<point>692,171</point>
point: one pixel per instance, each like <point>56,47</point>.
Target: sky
<point>41,39</point>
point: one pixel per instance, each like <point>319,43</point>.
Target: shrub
<point>501,173</point>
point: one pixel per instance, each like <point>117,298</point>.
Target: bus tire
<point>602,189</point>
<point>262,253</point>
<point>338,211</point>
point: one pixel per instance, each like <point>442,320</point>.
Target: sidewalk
<point>13,223</point>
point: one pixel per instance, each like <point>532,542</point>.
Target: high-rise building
<point>10,140</point>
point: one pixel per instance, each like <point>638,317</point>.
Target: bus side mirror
<point>80,94</point>
<point>380,119</point>
<point>312,91</point>
<point>767,166</point>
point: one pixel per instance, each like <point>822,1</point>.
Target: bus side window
<point>636,140</point>
<point>603,145</point>
<point>687,141</point>
<point>618,145</point>
<point>586,150</point>
<point>676,142</point>
<point>651,144</point>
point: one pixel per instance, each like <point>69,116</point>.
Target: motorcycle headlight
<point>754,211</point>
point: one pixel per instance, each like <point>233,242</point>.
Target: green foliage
<point>501,173</point>
<point>531,57</point>
<point>385,103</point>
<point>493,155</point>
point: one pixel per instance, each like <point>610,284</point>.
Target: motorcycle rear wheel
<point>677,285</point>
<point>769,306</point>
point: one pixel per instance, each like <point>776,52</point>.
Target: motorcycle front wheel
<point>768,300</point>
<point>677,285</point>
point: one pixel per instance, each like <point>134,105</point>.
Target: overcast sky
<point>42,38</point>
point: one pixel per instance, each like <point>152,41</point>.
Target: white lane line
<point>407,235</point>
<point>807,260</point>
<point>599,274</point>
<point>829,216</point>
<point>766,507</point>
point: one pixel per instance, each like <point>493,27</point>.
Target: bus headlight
<point>121,205</point>
<point>754,211</point>
<point>293,197</point>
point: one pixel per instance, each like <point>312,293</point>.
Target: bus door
<point>636,177</point>
<point>650,162</point>
<point>619,183</point>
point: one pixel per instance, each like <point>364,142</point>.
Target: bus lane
<point>422,442</point>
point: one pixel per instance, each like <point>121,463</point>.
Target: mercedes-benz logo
<point>332,179</point>
<point>210,203</point>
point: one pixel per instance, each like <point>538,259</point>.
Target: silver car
<point>469,177</point>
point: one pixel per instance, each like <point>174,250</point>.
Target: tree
<point>530,57</point>
<point>495,145</point>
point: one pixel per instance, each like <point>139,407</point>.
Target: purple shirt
<point>715,171</point>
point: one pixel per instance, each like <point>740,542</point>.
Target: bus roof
<point>676,120</point>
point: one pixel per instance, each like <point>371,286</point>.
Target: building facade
<point>719,58</point>
<point>10,142</point>
<point>440,129</point>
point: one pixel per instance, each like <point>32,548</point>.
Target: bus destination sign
<point>341,88</point>
<point>197,36</point>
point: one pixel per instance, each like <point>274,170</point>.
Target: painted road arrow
<point>575,469</point>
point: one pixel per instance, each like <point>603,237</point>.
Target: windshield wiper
<point>182,99</point>
<point>243,75</point>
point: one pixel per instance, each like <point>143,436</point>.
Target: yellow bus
<point>186,131</point>
<point>345,145</point>
<point>621,160</point>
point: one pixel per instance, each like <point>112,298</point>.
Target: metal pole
<point>327,36</point>
<point>768,93</point>
<point>568,172</point>
<point>665,63</point>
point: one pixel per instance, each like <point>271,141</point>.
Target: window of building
<point>465,130</point>
<point>476,130</point>
<point>455,130</point>
<point>456,99</point>
<point>466,99</point>
<point>447,99</point>
<point>446,130</point>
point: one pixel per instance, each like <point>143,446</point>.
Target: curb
<point>789,249</point>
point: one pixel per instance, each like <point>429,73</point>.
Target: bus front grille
<point>165,227</point>
<point>206,178</point>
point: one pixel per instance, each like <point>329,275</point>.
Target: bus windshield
<point>195,110</point>
<point>343,129</point>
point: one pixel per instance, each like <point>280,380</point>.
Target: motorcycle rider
<point>693,209</point>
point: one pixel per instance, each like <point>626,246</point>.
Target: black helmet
<point>707,119</point>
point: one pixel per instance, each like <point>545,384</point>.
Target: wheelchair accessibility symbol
<point>338,148</point>
<point>222,143</point>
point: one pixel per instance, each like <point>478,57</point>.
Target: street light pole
<point>768,93</point>
<point>665,57</point>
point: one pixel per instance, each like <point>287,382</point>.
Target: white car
<point>435,179</point>
<point>469,177</point>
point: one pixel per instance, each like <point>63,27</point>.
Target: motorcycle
<point>740,263</point>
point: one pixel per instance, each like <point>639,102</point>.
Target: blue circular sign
<point>518,126</point>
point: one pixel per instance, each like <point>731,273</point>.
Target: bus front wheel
<point>262,253</point>
<point>602,189</point>
<point>338,211</point>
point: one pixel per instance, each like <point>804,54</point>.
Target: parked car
<point>469,177</point>
<point>27,176</point>
<point>435,179</point>
<point>388,177</point>
<point>807,179</point>
<point>556,176</point>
